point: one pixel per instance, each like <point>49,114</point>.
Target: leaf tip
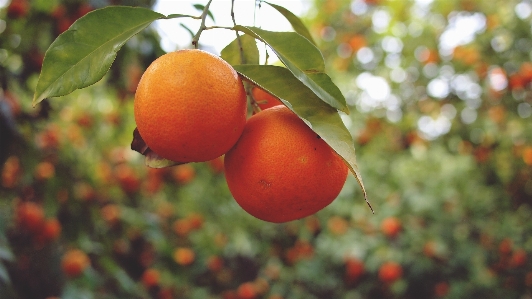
<point>367,202</point>
<point>345,110</point>
<point>36,100</point>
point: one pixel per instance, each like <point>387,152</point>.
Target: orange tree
<point>82,217</point>
<point>443,92</point>
<point>441,128</point>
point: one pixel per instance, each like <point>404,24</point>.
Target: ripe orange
<point>441,289</point>
<point>184,256</point>
<point>111,213</point>
<point>190,106</point>
<point>74,262</point>
<point>246,291</point>
<point>390,272</point>
<point>184,174</point>
<point>527,155</point>
<point>215,263</point>
<point>182,227</point>
<point>280,170</point>
<point>30,216</point>
<point>519,258</point>
<point>264,99</point>
<point>354,269</point>
<point>337,225</point>
<point>51,229</point>
<point>150,277</point>
<point>391,226</point>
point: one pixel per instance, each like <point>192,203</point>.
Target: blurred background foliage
<point>440,93</point>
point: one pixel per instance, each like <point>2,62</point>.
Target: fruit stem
<point>204,14</point>
<point>247,86</point>
<point>254,105</point>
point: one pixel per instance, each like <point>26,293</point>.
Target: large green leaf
<point>83,54</point>
<point>233,54</point>
<point>296,22</point>
<point>322,118</point>
<point>304,60</point>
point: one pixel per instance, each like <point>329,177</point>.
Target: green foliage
<point>296,23</point>
<point>82,55</point>
<point>303,60</point>
<point>249,54</point>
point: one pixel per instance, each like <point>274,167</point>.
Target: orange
<point>391,226</point>
<point>74,262</point>
<point>441,289</point>
<point>389,272</point>
<point>246,291</point>
<point>190,106</point>
<point>337,225</point>
<point>182,227</point>
<point>354,269</point>
<point>519,258</point>
<point>264,99</point>
<point>184,174</point>
<point>527,155</point>
<point>280,170</point>
<point>150,277</point>
<point>30,216</point>
<point>51,229</point>
<point>215,263</point>
<point>184,256</point>
<point>111,213</point>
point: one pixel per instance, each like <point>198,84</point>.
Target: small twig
<point>240,47</point>
<point>247,86</point>
<point>183,16</point>
<point>204,14</point>
<point>218,27</point>
<point>257,4</point>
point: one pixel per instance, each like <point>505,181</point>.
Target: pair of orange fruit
<point>191,106</point>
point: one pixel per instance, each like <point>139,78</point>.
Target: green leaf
<point>319,116</point>
<point>6,254</point>
<point>175,16</point>
<point>232,54</point>
<point>304,60</point>
<point>83,54</point>
<point>296,22</point>
<point>4,275</point>
<point>188,30</point>
<point>201,8</point>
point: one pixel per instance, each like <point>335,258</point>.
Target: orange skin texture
<point>264,99</point>
<point>190,106</point>
<point>280,170</point>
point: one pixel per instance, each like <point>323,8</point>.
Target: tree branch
<point>195,39</point>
